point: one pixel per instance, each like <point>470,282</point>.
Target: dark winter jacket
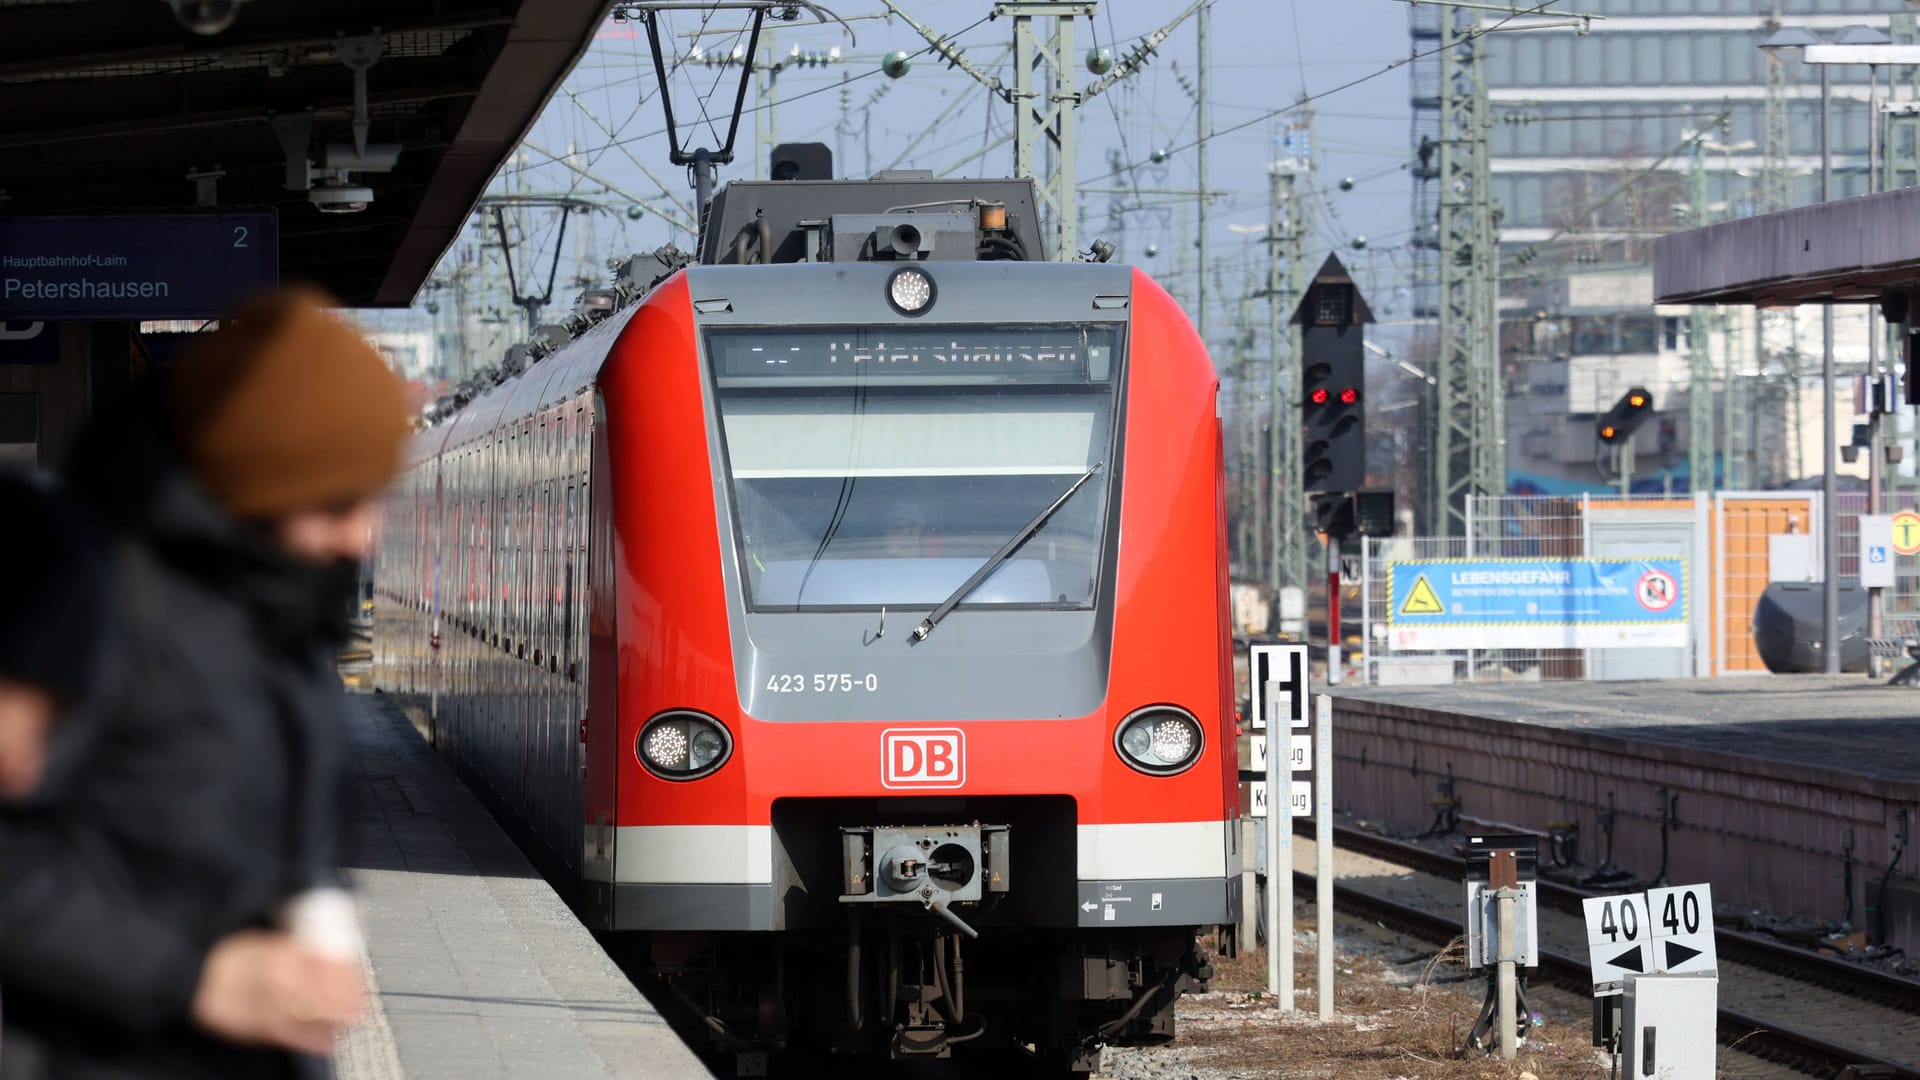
<point>209,786</point>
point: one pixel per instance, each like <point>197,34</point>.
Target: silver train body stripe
<point>694,854</point>
<point>743,854</point>
<point>1153,849</point>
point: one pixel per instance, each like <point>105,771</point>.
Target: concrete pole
<point>1829,486</point>
<point>1504,969</point>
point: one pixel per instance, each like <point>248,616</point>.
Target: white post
<point>1279,853</point>
<point>1323,846</point>
<point>1366,610</point>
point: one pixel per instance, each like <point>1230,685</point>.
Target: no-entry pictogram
<point>1656,590</point>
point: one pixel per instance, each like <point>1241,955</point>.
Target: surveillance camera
<point>205,16</point>
<point>340,197</point>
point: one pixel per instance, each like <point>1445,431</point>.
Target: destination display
<point>1045,354</point>
<point>134,266</point>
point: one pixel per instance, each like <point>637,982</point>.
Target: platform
<point>1843,722</point>
<point>1791,794</point>
<point>479,968</point>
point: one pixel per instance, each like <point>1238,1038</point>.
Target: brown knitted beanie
<point>287,408</point>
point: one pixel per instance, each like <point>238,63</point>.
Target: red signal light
<point>1349,396</point>
<point>1319,396</point>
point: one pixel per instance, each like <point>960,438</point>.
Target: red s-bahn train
<point>846,614</point>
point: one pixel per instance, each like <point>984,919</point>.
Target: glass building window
<point>1743,60</point>
<point>1649,67</point>
<point>1499,64</point>
<point>1559,49</point>
<point>1617,67</point>
<point>1528,60</point>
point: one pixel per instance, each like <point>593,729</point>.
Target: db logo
<point>923,758</point>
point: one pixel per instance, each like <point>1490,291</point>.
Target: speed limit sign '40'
<point>1667,930</point>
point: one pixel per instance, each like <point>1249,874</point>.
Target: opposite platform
<point>480,969</point>
<point>1841,722</point>
<point>1797,795</point>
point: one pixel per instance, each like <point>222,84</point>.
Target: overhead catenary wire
<point>1271,114</point>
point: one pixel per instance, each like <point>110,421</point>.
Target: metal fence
<point>1732,536</point>
<point>1902,602</point>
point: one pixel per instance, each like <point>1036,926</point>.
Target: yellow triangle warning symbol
<point>1421,599</point>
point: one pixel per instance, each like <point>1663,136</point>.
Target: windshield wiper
<point>1006,551</point>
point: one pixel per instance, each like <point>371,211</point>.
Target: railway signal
<point>1333,389</point>
<point>1620,422</point>
<point>1616,428</point>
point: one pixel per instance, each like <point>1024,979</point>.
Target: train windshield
<point>883,467</point>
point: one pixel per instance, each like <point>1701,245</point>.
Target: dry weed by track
<point>1392,1021</point>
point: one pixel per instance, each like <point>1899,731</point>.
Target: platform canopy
<point>1845,251</point>
<point>110,105</point>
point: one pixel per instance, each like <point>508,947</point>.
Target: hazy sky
<point>1264,53</point>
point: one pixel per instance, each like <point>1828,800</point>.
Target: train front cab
<point>812,747</point>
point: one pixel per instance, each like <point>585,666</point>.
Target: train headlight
<point>1160,740</point>
<point>683,745</point>
<point>910,291</point>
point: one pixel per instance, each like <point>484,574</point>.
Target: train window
<point>877,468</point>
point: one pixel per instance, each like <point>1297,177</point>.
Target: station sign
<point>1666,930</point>
<point>134,266</point>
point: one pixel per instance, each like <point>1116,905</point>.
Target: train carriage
<point>846,615</point>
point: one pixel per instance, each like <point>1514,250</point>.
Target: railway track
<point>1761,1037</point>
<point>1752,950</point>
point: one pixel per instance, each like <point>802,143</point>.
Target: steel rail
<point>1736,1030</point>
<point>1753,950</point>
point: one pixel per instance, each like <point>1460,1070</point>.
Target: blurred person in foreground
<point>177,909</point>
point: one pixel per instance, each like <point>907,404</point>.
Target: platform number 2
<point>1626,924</point>
<point>240,236</point>
<point>1686,919</point>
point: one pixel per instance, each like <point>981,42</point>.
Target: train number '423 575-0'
<point>823,683</point>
